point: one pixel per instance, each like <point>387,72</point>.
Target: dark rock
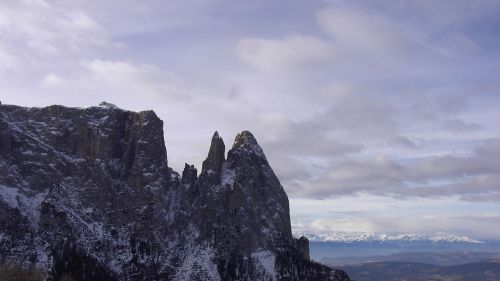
<point>216,154</point>
<point>189,175</point>
<point>95,177</point>
<point>303,244</point>
<point>88,192</point>
<point>212,166</point>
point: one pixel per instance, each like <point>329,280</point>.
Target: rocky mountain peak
<point>244,139</point>
<point>255,210</point>
<point>216,155</point>
<point>189,175</point>
<point>246,142</point>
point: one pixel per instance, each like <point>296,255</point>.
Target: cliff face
<point>88,192</point>
<point>91,183</point>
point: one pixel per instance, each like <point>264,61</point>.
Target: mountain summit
<point>88,192</point>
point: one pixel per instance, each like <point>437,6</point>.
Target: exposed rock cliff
<point>88,192</point>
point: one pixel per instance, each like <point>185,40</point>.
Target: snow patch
<point>28,205</point>
<point>108,105</point>
<point>198,265</point>
<point>440,237</point>
<point>228,175</point>
<point>266,261</point>
<point>9,196</point>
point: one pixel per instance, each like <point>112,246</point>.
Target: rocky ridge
<point>88,192</point>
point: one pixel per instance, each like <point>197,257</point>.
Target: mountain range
<point>341,245</point>
<point>347,237</point>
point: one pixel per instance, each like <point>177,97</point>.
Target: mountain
<point>88,192</point>
<point>347,237</point>
<point>342,245</point>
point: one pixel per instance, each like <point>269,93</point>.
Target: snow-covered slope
<point>348,237</point>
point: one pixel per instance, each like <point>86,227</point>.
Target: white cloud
<point>358,29</point>
<point>368,213</point>
<point>7,60</point>
<point>456,44</point>
<point>130,79</point>
<point>39,28</point>
<point>51,80</point>
<point>466,176</point>
<point>279,54</point>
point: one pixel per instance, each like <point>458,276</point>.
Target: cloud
<point>357,28</point>
<point>390,30</point>
<point>394,99</point>
<point>462,225</point>
<point>360,115</point>
<point>116,81</point>
<point>298,150</point>
<point>51,80</point>
<point>305,138</point>
<point>38,29</point>
<point>393,224</point>
<point>460,125</point>
<point>139,80</point>
<point>368,213</point>
<point>432,176</point>
<point>362,143</point>
<point>279,54</point>
<point>403,141</point>
<point>7,60</point>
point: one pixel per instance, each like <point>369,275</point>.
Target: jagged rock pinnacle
<point>246,141</point>
<point>216,155</point>
<point>189,175</point>
<point>245,137</point>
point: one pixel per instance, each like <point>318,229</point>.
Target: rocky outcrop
<point>88,192</point>
<point>303,244</point>
<point>91,181</point>
<point>216,155</point>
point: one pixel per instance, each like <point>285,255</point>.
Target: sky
<point>377,116</point>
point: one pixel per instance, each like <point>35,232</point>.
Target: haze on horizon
<point>377,116</point>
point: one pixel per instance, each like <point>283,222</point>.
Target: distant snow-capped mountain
<point>349,237</point>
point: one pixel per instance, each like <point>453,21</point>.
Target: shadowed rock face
<point>88,192</point>
<point>212,166</point>
<point>246,210</point>
<point>216,155</point>
<point>95,180</point>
